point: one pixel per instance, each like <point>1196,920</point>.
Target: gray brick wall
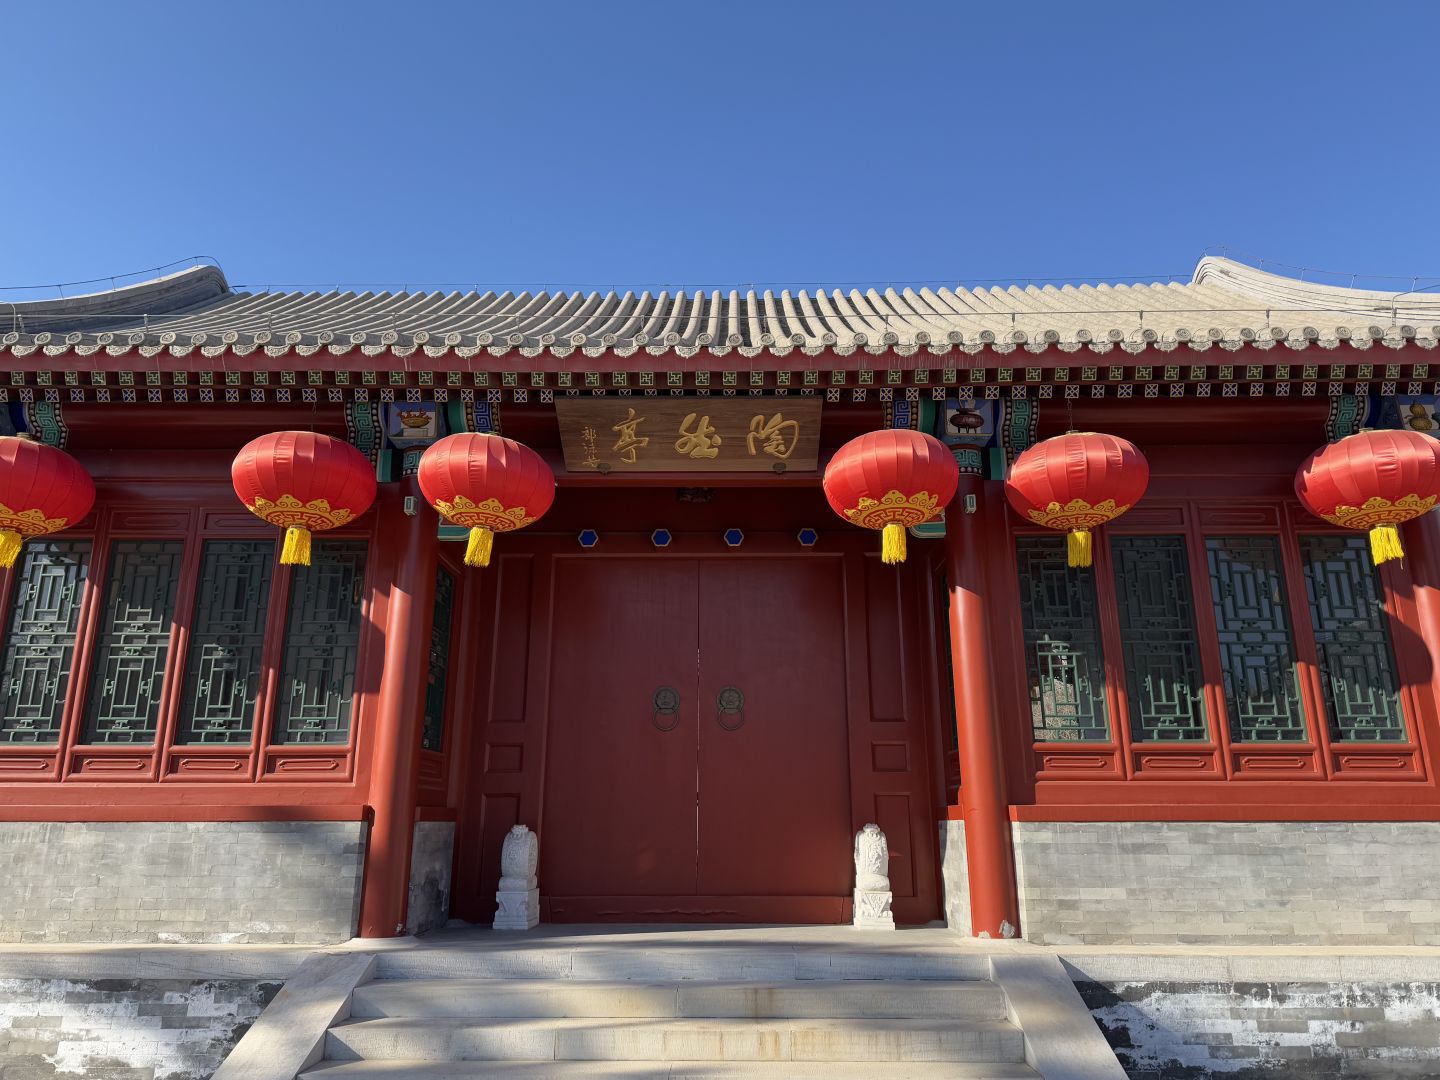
<point>431,856</point>
<point>273,882</point>
<point>1320,1031</point>
<point>1249,883</point>
<point>954,876</point>
<point>124,1029</point>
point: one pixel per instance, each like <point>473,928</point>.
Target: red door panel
<point>774,775</point>
<point>619,817</point>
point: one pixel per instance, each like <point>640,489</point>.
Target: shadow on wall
<point>180,1029</point>
<point>1261,1031</point>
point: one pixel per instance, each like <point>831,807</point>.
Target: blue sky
<point>618,143</point>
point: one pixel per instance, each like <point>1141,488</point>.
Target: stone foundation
<point>123,882</point>
<point>1218,883</point>
<point>955,877</point>
<point>1165,1030</point>
<point>432,856</point>
<point>138,1029</point>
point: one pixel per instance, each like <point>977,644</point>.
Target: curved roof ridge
<point>1279,291</point>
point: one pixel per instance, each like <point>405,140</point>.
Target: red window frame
<point>1319,757</point>
<point>71,759</point>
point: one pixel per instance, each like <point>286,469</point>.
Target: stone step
<point>535,999</point>
<point>644,963</point>
<point>667,1070</point>
<point>727,1040</point>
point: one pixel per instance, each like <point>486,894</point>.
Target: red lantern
<point>42,490</point>
<point>891,480</point>
<point>1374,480</point>
<point>1076,482</point>
<point>304,483</point>
<point>488,484</point>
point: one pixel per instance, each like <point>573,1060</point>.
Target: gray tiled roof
<point>1225,303</point>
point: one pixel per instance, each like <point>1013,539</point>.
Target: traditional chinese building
<point>691,678</point>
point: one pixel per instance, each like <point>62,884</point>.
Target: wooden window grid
<point>120,709</point>
<point>1387,746</point>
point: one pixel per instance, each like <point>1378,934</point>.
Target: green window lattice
<point>1062,644</point>
<point>40,644</point>
<point>227,638</point>
<point>1157,631</point>
<point>1352,639</point>
<point>1257,650</point>
<point>133,642</point>
<point>322,642</point>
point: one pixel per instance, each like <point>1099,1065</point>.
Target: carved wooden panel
<point>100,766</point>
<point>237,521</point>
<point>1240,516</point>
<point>504,757</point>
<point>1298,765</point>
<point>282,766</point>
<point>1078,765</point>
<point>210,768</point>
<point>890,756</point>
<point>1154,517</point>
<point>1393,765</point>
<point>1177,765</point>
<point>29,765</point>
<point>150,522</point>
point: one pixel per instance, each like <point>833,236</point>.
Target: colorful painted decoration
<point>890,480</point>
<point>303,483</point>
<point>1373,480</point>
<point>1077,482</point>
<point>488,484</point>
<point>42,490</point>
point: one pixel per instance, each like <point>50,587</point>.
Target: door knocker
<point>666,708</point>
<point>730,708</point>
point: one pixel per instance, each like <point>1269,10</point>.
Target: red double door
<point>699,753</point>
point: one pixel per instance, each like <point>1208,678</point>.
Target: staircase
<point>760,1003</point>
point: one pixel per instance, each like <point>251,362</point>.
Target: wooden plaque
<point>654,434</point>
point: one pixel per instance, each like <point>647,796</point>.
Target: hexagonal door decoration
<point>589,538</point>
<point>734,538</point>
<point>661,538</point>
<point>807,537</point>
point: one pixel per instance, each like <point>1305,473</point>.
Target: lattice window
<point>40,643</point>
<point>133,641</point>
<point>226,642</point>
<point>1352,638</point>
<point>433,733</point>
<point>1157,630</point>
<point>1062,644</point>
<point>1257,651</point>
<point>322,640</point>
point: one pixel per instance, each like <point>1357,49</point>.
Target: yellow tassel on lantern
<point>10,542</point>
<point>477,550</point>
<point>1078,547</point>
<point>1385,544</point>
<point>892,544</point>
<point>296,551</point>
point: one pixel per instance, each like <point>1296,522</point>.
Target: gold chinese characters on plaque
<point>645,434</point>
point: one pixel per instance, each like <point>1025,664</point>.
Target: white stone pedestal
<point>518,898</point>
<point>872,880</point>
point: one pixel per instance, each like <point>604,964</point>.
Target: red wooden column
<point>410,544</point>
<point>989,857</point>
